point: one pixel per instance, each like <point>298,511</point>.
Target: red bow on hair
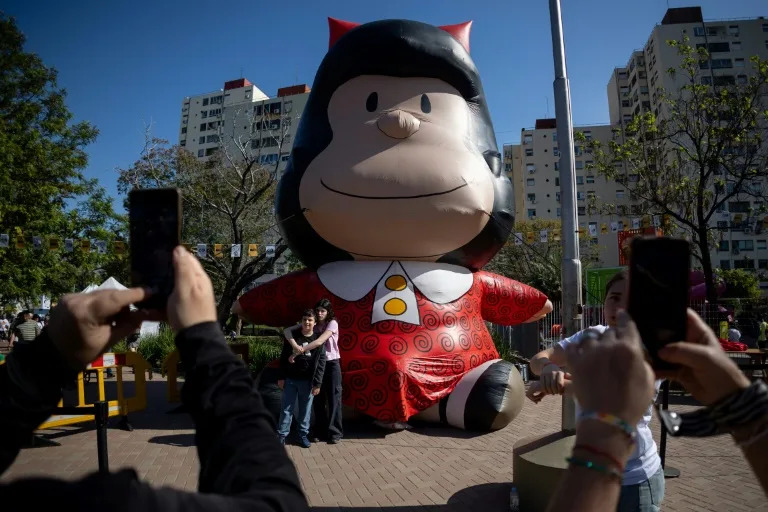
<point>338,28</point>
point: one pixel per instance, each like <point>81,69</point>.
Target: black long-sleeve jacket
<point>242,465</point>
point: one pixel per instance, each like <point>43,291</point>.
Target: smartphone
<point>155,220</point>
<point>659,272</point>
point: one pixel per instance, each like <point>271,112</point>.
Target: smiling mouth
<point>393,197</point>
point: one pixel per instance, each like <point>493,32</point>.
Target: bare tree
<point>229,197</point>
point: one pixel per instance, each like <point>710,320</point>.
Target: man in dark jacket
<point>303,376</point>
<point>242,465</point>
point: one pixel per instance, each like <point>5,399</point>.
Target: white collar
<point>441,283</point>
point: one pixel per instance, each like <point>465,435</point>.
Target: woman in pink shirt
<point>328,422</point>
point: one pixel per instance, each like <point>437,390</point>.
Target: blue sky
<point>126,64</point>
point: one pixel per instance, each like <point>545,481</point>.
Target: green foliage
<point>154,348</point>
<point>703,147</point>
<point>537,264</point>
<point>261,350</point>
<point>41,160</point>
<point>740,283</point>
<point>505,351</point>
<point>120,347</point>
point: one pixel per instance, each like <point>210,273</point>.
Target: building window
<point>203,114</point>
<point>527,138</point>
<point>557,183</point>
<point>201,140</point>
<point>211,151</point>
<point>733,30</point>
<point>582,210</point>
<point>284,157</point>
<point>288,106</point>
<point>577,150</point>
<point>625,104</point>
<point>590,179</point>
<point>554,136</point>
<point>531,168</point>
<point>559,212</point>
<point>619,194</point>
<point>579,164</point>
<point>591,194</point>
<point>531,213</point>
<point>556,151</point>
<point>557,197</point>
<point>202,127</point>
<point>212,138</point>
<point>275,108</point>
<point>588,134</point>
<point>724,246</point>
<point>761,244</point>
<point>579,180</point>
<point>580,195</point>
<point>200,153</point>
<point>530,182</point>
<point>528,151</point>
<point>532,198</point>
<point>715,47</point>
<point>745,264</point>
<point>634,178</point>
<point>765,27</point>
<point>287,140</point>
<point>738,206</point>
<point>205,101</point>
<point>744,245</point>
<point>739,63</point>
<point>716,64</point>
<point>184,130</point>
<point>183,143</point>
<point>257,110</point>
<point>762,264</point>
<point>736,46</point>
<point>725,264</point>
<point>557,166</point>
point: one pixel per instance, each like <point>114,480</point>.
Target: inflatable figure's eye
<point>426,106</point>
<point>372,103</point>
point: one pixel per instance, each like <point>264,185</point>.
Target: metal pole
<point>101,416</point>
<point>669,471</point>
<point>571,270</point>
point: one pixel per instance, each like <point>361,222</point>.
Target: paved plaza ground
<point>421,469</point>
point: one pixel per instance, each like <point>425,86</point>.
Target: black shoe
<point>334,440</point>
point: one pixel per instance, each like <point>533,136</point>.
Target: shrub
<point>505,350</point>
<point>155,347</point>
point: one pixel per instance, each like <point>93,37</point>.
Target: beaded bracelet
<point>596,451</point>
<point>610,419</point>
<point>585,463</point>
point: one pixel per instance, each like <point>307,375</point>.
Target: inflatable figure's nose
<point>398,124</point>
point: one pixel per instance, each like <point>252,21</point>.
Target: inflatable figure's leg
<point>487,398</point>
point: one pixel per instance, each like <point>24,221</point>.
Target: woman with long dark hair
<point>327,405</point>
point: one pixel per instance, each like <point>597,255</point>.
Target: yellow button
<point>396,283</point>
<point>394,307</point>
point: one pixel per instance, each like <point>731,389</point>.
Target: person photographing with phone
<point>243,467</point>
<point>642,488</point>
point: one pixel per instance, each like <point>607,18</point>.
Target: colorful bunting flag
<point>614,227</point>
<point>253,250</point>
<point>519,238</point>
<point>217,251</point>
<point>234,251</point>
<point>543,236</point>
<point>530,237</point>
<point>85,245</point>
<point>54,243</point>
<point>119,246</point>
<point>202,251</point>
<point>4,240</point>
<point>69,244</point>
<point>270,252</point>
<point>603,228</point>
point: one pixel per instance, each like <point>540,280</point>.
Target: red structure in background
<point>625,239</point>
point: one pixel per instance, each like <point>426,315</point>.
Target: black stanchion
<point>669,472</point>
<point>102,415</point>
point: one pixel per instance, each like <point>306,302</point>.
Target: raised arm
<point>509,302</point>
<point>281,301</point>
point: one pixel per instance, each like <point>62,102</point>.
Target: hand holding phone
<point>658,293</point>
<point>155,225</point>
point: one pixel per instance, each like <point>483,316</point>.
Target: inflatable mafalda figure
<point>394,197</point>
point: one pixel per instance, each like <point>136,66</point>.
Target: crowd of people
<point>24,328</point>
<point>243,465</point>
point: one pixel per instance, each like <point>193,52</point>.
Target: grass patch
<point>154,348</point>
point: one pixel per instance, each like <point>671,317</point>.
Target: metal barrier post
<point>669,472</point>
<point>101,416</point>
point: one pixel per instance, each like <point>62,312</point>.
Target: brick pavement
<point>421,469</point>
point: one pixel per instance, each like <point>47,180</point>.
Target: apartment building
<point>633,89</point>
<point>534,168</point>
<point>242,117</point>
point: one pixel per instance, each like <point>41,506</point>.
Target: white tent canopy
<point>114,284</point>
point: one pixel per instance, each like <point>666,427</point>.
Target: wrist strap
<point>586,463</point>
<point>737,409</point>
<point>610,419</point>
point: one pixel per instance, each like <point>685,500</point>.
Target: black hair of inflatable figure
<point>398,48</point>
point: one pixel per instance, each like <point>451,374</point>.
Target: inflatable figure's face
<point>401,178</point>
